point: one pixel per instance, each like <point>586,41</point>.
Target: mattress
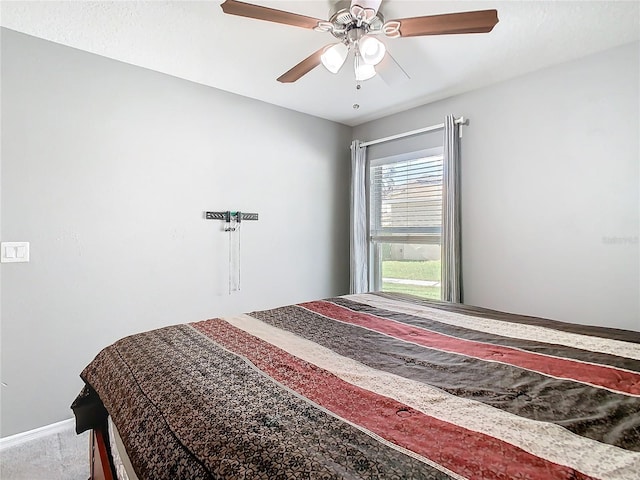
<point>374,386</point>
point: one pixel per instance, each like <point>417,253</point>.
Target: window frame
<point>411,236</point>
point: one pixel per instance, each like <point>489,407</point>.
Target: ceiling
<point>198,42</point>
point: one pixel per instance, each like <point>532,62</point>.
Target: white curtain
<point>359,252</point>
<point>451,243</point>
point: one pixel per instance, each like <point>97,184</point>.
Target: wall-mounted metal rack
<point>226,216</point>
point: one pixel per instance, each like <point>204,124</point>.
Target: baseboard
<point>36,433</point>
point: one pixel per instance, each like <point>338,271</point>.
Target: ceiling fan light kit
<point>371,49</point>
<point>363,71</point>
<point>334,57</point>
<point>355,24</point>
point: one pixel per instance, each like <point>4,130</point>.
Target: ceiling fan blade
<point>481,21</point>
<point>390,71</point>
<point>259,12</point>
<point>304,67</point>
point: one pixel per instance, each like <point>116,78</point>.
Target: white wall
<point>550,189</point>
<point>107,169</point>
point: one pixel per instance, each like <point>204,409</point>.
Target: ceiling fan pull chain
<point>356,105</point>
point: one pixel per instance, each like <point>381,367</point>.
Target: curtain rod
<point>440,126</point>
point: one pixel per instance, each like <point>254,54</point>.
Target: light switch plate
<point>12,252</point>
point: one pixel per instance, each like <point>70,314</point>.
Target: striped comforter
<point>375,386</point>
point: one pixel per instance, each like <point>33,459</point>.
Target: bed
<point>367,386</point>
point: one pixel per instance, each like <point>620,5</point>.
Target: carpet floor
<point>59,456</point>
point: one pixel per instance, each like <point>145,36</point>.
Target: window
<point>405,214</point>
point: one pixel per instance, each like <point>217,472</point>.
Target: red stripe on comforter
<point>468,453</point>
<point>603,376</point>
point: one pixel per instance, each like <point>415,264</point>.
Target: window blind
<point>406,197</point>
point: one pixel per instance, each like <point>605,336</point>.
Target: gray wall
<point>550,189</point>
<point>107,169</point>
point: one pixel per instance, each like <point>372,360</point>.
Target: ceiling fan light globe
<point>364,72</point>
<point>334,57</point>
<point>372,50</point>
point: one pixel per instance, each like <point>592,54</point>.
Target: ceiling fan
<point>355,24</point>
